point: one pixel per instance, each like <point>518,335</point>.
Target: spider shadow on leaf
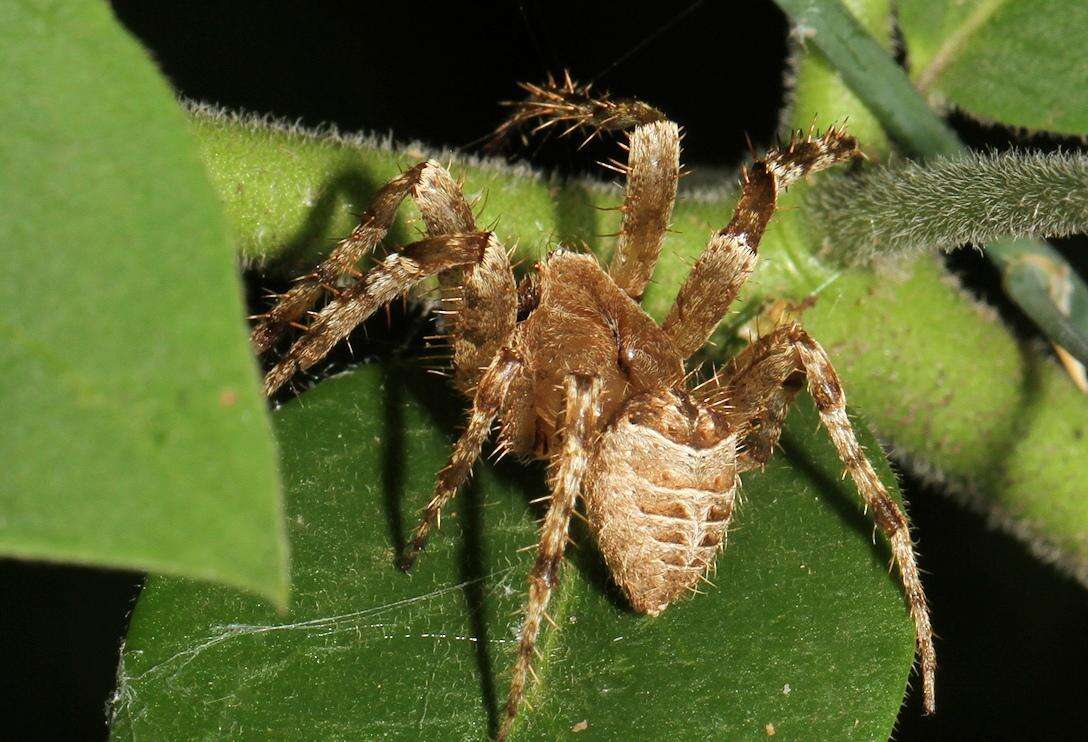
<point>401,383</point>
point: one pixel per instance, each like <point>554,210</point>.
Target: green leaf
<point>870,73</point>
<point>886,93</point>
<point>1016,62</point>
<point>806,629</point>
<point>133,434</point>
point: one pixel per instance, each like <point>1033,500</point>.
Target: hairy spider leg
<point>487,402</point>
<point>652,170</point>
<point>581,409</point>
<point>479,300</point>
<point>387,280</point>
<point>784,360</point>
<point>341,263</point>
<point>755,390</point>
<point>729,257</point>
<point>480,296</point>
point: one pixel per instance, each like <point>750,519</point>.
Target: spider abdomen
<point>659,507</point>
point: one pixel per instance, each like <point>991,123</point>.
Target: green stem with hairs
<point>907,207</point>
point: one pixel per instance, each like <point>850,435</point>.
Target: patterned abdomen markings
<point>659,504</point>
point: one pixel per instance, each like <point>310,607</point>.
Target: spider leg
<point>758,446</point>
<point>390,278</point>
<point>582,406</point>
<point>652,169</point>
<point>490,393</point>
<point>718,274</point>
<point>484,287</point>
<point>373,225</point>
<point>766,377</point>
<point>480,299</point>
<point>755,390</point>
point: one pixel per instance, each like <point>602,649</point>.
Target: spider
<point>576,373</point>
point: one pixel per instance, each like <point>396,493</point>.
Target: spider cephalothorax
<point>575,372</point>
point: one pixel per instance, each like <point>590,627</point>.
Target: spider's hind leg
<point>755,391</point>
<point>652,169</point>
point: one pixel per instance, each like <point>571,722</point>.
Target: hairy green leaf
<point>1015,62</point>
<point>133,431</point>
<point>806,630</point>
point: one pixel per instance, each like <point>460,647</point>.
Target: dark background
<point>1013,640</point>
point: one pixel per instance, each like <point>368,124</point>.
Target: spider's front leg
<point>390,278</point>
<point>652,169</point>
<point>729,257</point>
<point>481,282</point>
<point>341,263</point>
<point>754,392</point>
<point>581,409</point>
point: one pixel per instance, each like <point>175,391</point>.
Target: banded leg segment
<point>385,282</point>
<point>728,260</point>
<point>490,393</point>
<point>652,169</point>
<point>342,261</point>
<point>765,378</point>
<point>826,390</point>
<point>582,406</point>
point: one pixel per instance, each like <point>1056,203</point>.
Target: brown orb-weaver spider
<point>578,374</point>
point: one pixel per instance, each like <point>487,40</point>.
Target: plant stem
<point>907,207</point>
